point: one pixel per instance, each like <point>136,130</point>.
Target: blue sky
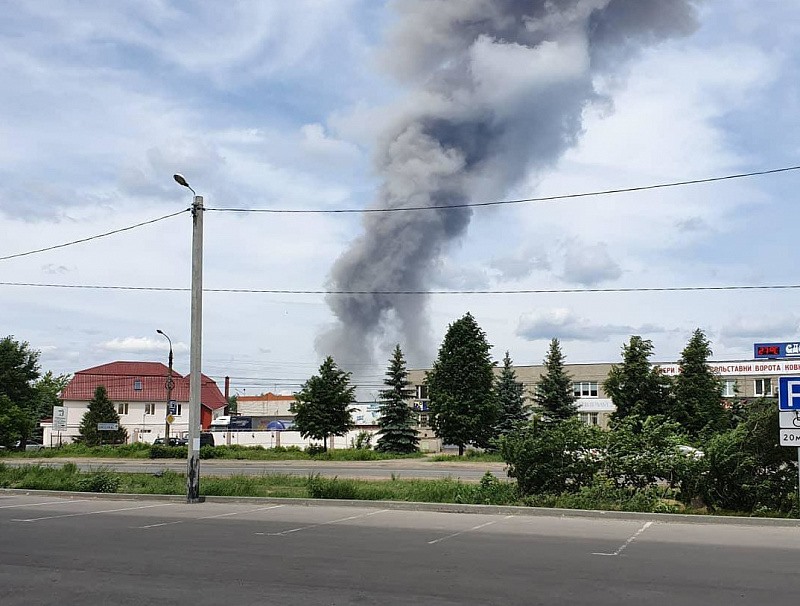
<point>279,104</point>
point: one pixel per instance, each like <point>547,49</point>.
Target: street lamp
<point>170,385</point>
<point>195,349</point>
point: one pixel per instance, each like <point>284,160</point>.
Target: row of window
<point>589,389</point>
<point>149,408</point>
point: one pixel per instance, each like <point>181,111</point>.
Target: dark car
<point>172,441</point>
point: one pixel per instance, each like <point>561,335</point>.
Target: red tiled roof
<point>122,378</point>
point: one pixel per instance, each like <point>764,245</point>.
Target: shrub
<point>159,451</point>
<point>490,491</point>
<point>101,481</point>
<point>315,449</point>
<point>552,457</point>
<point>746,469</point>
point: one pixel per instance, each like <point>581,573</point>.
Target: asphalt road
<point>77,552</point>
<point>376,470</point>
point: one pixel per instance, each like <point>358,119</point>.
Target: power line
<point>532,291</point>
<point>606,192</point>
<point>103,235</point>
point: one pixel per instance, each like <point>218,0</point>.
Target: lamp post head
<point>181,180</point>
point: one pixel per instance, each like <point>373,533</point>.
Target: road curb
<point>674,518</point>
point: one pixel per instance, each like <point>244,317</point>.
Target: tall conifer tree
<point>397,432</point>
<point>554,393</point>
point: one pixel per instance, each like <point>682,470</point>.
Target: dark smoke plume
<point>498,88</point>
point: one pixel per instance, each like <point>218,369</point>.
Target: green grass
<point>471,456</point>
<point>253,453</point>
<point>490,490</point>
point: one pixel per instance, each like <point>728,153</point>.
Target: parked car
<point>172,441</point>
<point>28,445</point>
<point>691,452</point>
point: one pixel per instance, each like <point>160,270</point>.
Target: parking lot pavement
<point>80,551</point>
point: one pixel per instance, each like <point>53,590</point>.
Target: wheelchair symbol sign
<point>789,393</point>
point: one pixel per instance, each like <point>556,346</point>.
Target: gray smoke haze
<point>497,89</point>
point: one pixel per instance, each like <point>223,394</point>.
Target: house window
<point>423,420</point>
<point>150,408</point>
<point>763,387</point>
<point>422,392</point>
<point>585,389</point>
<point>590,418</point>
<point>178,411</point>
<point>122,408</point>
<point>137,385</point>
<point>729,388</point>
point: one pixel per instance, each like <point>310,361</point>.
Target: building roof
<point>139,382</point>
<point>265,397</point>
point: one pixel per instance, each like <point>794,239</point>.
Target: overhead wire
<point>525,291</point>
<point>95,237</point>
<point>605,192</point>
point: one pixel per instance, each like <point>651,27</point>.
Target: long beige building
<point>740,379</point>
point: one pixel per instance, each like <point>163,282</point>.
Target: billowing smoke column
<point>498,89</point>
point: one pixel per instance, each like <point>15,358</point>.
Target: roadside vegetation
<point>252,453</point>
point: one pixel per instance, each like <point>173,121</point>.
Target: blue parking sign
<point>789,393</point>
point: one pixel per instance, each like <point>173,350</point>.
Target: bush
<point>159,451</point>
<point>490,491</point>
<point>101,481</point>
<point>642,452</point>
<point>552,457</point>
<point>746,469</point>
<point>315,449</point>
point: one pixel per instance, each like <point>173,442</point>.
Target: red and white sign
<point>732,369</point>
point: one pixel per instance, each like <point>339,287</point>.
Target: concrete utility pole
<point>170,385</point>
<point>195,349</point>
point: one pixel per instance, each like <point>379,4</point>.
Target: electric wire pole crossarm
<point>195,349</point>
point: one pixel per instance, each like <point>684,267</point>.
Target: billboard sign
<point>776,350</point>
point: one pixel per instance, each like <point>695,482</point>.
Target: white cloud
<point>589,264</point>
<point>141,345</point>
<point>565,325</point>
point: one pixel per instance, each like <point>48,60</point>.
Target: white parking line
<point>285,532</point>
<point>39,504</point>
<point>236,513</point>
<point>159,524</point>
<point>219,515</point>
<point>455,534</point>
<point>91,513</point>
<point>628,542</point>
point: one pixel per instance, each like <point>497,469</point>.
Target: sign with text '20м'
<point>789,407</point>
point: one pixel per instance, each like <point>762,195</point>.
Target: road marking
<point>220,515</point>
<point>455,534</point>
<point>91,513</point>
<point>236,513</point>
<point>38,504</point>
<point>160,524</point>
<point>285,532</point>
<point>628,542</point>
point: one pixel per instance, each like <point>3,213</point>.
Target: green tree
<point>554,392</point>
<point>463,408</point>
<point>636,387</point>
<point>16,423</point>
<point>397,433</point>
<point>698,391</point>
<point>510,398</point>
<point>322,406</point>
<point>19,369</point>
<point>233,405</point>
<point>100,410</point>
<point>48,389</point>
